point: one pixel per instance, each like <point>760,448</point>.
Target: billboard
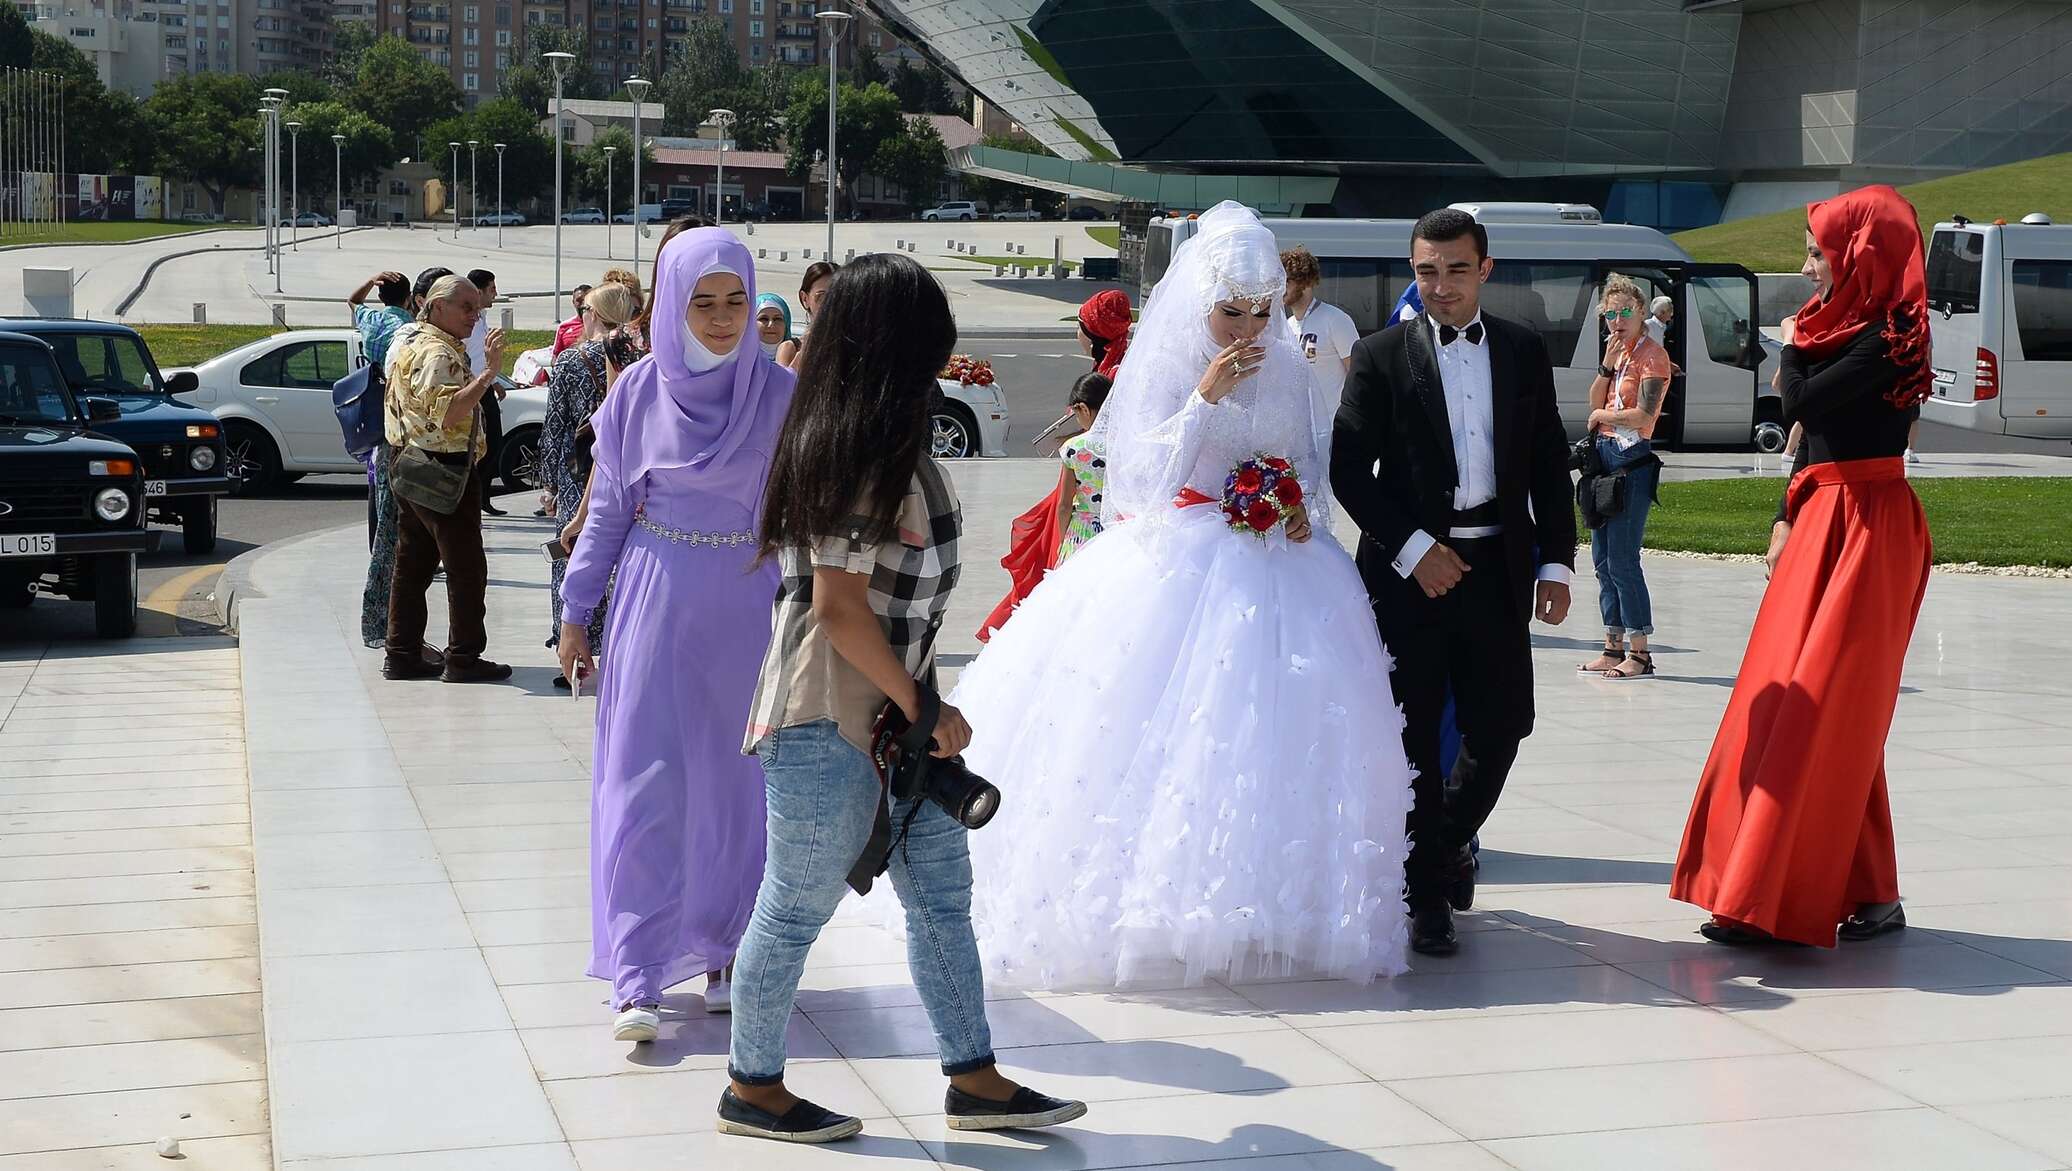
<point>150,198</point>
<point>93,198</point>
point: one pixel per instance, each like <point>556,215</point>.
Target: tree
<point>916,160</point>
<point>864,118</point>
<point>866,70</point>
<point>592,164</point>
<point>705,73</point>
<point>368,150</point>
<point>528,150</point>
<point>350,40</point>
<point>759,105</point>
<point>530,82</point>
<point>214,119</point>
<point>302,86</point>
<point>401,90</point>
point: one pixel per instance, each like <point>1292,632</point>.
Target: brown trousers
<point>425,539</point>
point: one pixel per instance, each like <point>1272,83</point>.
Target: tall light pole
<point>455,193</point>
<point>338,178</point>
<point>500,196</point>
<point>638,87</point>
<point>265,208</point>
<point>276,99</point>
<point>295,184</point>
<point>724,119</point>
<point>474,192</point>
<point>559,62</point>
<point>834,22</point>
<point>609,151</point>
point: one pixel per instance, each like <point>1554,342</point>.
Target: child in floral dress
<point>1086,469</point>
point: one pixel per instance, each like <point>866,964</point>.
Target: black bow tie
<point>1473,333</point>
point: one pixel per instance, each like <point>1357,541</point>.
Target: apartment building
<point>127,47</point>
<point>234,36</point>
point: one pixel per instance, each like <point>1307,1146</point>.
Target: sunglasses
<point>1618,314</point>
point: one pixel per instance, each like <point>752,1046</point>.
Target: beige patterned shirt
<point>426,369</point>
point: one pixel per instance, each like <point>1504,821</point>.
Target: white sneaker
<point>636,1024</point>
<point>1911,457</point>
<point>719,997</point>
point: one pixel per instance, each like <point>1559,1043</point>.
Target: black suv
<point>181,446</point>
<point>71,500</point>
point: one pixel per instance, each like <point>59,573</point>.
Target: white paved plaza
<point>404,890</point>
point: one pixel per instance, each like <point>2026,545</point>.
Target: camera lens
<point>982,803</point>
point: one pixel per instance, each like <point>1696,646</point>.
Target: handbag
<point>357,401</point>
<point>427,481</point>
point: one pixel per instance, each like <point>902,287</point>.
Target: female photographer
<point>864,527</point>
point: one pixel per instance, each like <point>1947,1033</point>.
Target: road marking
<point>165,601</point>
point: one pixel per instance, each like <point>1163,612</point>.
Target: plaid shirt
<point>912,573</point>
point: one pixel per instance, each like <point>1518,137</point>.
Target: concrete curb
<point>138,240</point>
<point>234,585</point>
<point>144,281</point>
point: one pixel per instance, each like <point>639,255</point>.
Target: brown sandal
<point>1614,654</point>
<point>1647,666</point>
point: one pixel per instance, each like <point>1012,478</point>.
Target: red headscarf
<point>1106,315</point>
<point>1872,240</point>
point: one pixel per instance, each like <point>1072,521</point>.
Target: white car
<point>960,210</point>
<point>505,219</point>
<point>308,219</point>
<point>274,398</point>
<point>969,421</point>
<point>1027,213</point>
<point>583,215</point>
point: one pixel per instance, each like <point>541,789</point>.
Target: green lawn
<point>1110,234</point>
<point>1031,261</point>
<point>98,233</point>
<point>1993,521</point>
<point>187,345</point>
<point>1777,243</point>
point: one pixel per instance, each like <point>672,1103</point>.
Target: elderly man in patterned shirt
<point>434,404</point>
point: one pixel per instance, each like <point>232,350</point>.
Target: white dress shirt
<point>1471,416</point>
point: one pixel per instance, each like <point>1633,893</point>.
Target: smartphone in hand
<point>554,549</point>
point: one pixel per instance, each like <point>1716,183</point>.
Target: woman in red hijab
<point>1104,329</point>
<point>1790,837</point>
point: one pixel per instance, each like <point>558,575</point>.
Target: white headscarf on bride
<point>1233,256</point>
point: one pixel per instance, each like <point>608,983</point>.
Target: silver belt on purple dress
<point>693,537</point>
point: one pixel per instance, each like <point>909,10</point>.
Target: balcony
<point>428,14</point>
<point>430,36</point>
<point>797,32</point>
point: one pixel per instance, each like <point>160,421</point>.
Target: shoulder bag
<point>427,481</point>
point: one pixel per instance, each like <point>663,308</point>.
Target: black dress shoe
<point>474,671</point>
<point>420,667</point>
<point>1872,920</point>
<point>1027,1110</point>
<point>803,1123</point>
<point>1735,935</point>
<point>489,509</point>
<point>1460,892</point>
<point>561,682</point>
<point>1431,930</point>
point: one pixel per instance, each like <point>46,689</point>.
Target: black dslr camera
<point>900,752</point>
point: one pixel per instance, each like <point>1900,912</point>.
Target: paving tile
<point>523,894</point>
<point>384,994</point>
<point>687,1101</point>
<point>167,981</point>
<point>44,867</point>
<point>249,1152</point>
<point>1916,1017</point>
<point>1325,1003</point>
<point>536,1157</point>
<point>1968,1073</point>
<point>1057,1020</point>
<point>316,811</point>
<point>537,963</point>
<point>1744,975</point>
<point>103,918</point>
<point>119,1022</point>
<point>133,1116</point>
<point>548,925</point>
<point>882,1139</point>
<point>395,857</point>
<point>345,920</point>
<point>326,1106</point>
<point>1885,1140</point>
<point>1505,1044</point>
<point>71,893</point>
<point>21,845</point>
<point>507,864</point>
<point>2043,1125</point>
<point>135,1065</point>
<point>135,947</point>
<point>690,1039</point>
<point>132,798</point>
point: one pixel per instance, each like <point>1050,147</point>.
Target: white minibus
<point>2000,313</point>
<point>1551,261</point>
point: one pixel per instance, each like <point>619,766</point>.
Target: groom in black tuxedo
<point>1467,534</point>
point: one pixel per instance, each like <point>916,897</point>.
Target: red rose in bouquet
<point>1249,480</point>
<point>1288,492</point>
<point>1262,516</point>
<point>1276,463</point>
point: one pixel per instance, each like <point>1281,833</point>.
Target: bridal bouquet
<point>967,370</point>
<point>1260,493</point>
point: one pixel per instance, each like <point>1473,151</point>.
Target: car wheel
<point>1770,433</point>
<point>952,432</point>
<point>518,466</point>
<point>198,526</point>
<point>250,458</point>
<point>115,595</point>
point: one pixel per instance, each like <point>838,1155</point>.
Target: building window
<point>755,29</point>
<point>503,62</point>
<point>503,16</point>
<point>471,82</point>
<point>471,59</point>
<point>726,7</point>
<point>471,36</point>
<point>472,14</point>
<point>755,7</point>
<point>503,38</point>
<point>755,51</point>
<point>532,19</point>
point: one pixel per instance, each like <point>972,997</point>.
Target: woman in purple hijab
<point>683,447</point>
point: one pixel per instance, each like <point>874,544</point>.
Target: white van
<point>2000,313</point>
<point>1551,263</point>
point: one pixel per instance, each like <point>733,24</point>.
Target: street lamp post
<point>277,100</point>
<point>338,179</point>
<point>638,87</point>
<point>454,195</point>
<point>724,119</point>
<point>835,22</point>
<point>609,151</point>
<point>474,191</point>
<point>499,195</point>
<point>265,208</point>
<point>295,184</point>
<point>559,62</point>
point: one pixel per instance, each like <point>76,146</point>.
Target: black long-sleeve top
<point>1840,402</point>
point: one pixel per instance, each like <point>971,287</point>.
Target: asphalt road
<point>177,591</point>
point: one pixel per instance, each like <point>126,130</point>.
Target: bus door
<point>1723,355</point>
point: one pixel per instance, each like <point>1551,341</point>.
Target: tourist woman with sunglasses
<point>1625,401</point>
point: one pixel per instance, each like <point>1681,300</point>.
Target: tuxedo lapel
<point>1503,396</point>
<point>1430,389</point>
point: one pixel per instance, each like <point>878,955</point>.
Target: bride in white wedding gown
<point>1192,726</point>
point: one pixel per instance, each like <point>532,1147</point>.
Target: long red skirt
<point>1032,552</point>
<point>1791,828</point>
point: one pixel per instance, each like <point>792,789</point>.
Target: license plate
<point>28,544</point>
<point>154,487</point>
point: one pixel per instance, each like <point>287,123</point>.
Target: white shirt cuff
<point>1554,571</point>
<point>1413,551</point>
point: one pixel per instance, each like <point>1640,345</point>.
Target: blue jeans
<point>823,798</point>
<point>1622,589</point>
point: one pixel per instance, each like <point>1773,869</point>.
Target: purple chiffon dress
<point>677,821</point>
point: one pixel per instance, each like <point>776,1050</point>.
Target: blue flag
<point>1408,305</point>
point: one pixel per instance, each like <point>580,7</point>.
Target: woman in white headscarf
<point>1190,721</point>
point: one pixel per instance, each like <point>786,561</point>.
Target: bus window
<point>2043,309</point>
<point>1722,306</point>
<point>1953,271</point>
<point>1158,255</point>
<point>1553,298</point>
<point>1366,289</point>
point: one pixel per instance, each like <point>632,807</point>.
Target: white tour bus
<point>1551,262</point>
<point>2000,312</point>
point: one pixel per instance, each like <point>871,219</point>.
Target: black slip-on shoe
<point>1460,892</point>
<point>803,1123</point>
<point>1431,930</point>
<point>1027,1110</point>
<point>1872,920</point>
